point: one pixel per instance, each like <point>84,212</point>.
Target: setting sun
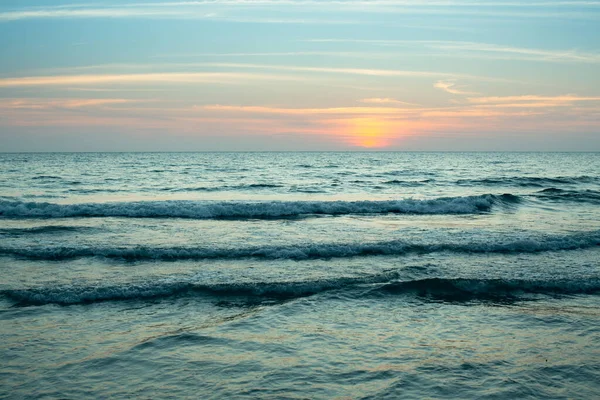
<point>369,132</point>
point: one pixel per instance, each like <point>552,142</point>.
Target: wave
<point>51,229</point>
<point>253,210</point>
<point>68,295</point>
<point>461,289</point>
<point>311,251</point>
<point>407,172</point>
<point>528,181</point>
<point>47,177</point>
<point>37,196</point>
<point>398,182</point>
<point>579,196</point>
<point>309,189</point>
<point>252,186</point>
<point>447,289</point>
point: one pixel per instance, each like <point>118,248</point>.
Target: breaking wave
<point>254,210</point>
<point>509,245</point>
<point>454,289</point>
<point>283,290</point>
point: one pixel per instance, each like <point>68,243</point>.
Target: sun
<point>369,132</point>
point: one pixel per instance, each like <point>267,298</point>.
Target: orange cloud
<point>158,77</point>
<point>388,112</point>
<point>41,104</point>
<point>474,113</point>
<point>308,111</point>
<point>381,125</point>
<point>565,99</point>
<point>385,100</point>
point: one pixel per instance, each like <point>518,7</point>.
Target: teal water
<point>300,275</point>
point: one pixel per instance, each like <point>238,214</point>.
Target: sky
<point>300,75</point>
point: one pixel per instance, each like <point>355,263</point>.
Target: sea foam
<point>253,210</point>
<point>304,251</point>
<point>450,289</point>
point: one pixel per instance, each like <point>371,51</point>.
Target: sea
<point>315,275</point>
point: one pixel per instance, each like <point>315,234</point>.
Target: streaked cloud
<point>222,10</point>
<point>385,100</point>
<point>348,54</point>
<point>564,99</point>
<point>388,112</point>
<point>156,11</point>
<point>40,104</point>
<point>406,3</point>
<point>479,50</point>
<point>305,111</point>
<point>348,71</point>
<point>494,51</point>
<point>451,87</point>
<point>143,78</point>
<point>170,73</point>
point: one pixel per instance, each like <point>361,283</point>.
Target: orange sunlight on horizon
<point>369,132</point>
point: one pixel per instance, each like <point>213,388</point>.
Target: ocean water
<point>300,275</point>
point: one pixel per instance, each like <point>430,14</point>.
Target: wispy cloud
<point>211,9</point>
<point>348,54</point>
<point>112,12</point>
<point>385,100</point>
<point>358,71</point>
<point>219,66</point>
<point>219,75</point>
<point>492,50</point>
<point>406,3</point>
<point>567,99</point>
<point>305,111</point>
<point>366,126</point>
<point>154,11</point>
<point>388,112</point>
<point>451,87</point>
<point>529,101</point>
<point>42,104</point>
<point>120,89</point>
<point>479,50</point>
<point>159,77</point>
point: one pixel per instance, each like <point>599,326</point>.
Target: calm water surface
<point>300,275</point>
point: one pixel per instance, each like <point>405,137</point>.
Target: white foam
<point>388,283</point>
<point>251,210</point>
<point>531,244</point>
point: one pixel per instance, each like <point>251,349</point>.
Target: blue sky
<point>299,75</point>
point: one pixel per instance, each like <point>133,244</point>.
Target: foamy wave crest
<point>313,251</point>
<point>447,289</point>
<point>253,210</point>
<point>67,295</point>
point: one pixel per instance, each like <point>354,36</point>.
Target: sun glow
<point>369,132</point>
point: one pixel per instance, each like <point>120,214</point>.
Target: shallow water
<point>300,275</point>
